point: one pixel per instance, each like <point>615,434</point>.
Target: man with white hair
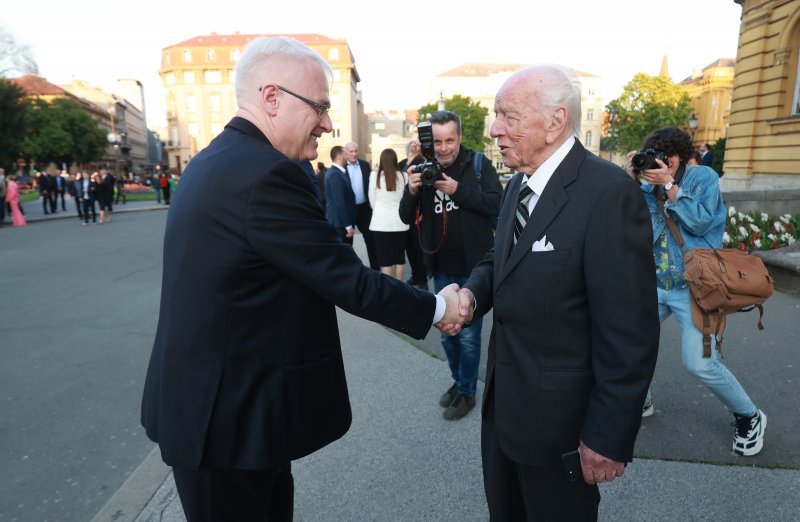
<point>575,332</point>
<point>246,372</point>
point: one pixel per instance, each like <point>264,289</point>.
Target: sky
<point>398,46</point>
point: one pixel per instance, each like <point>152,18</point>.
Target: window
<point>187,56</point>
<point>333,54</point>
<point>589,114</point>
<point>191,103</point>
<point>337,133</point>
<point>211,55</point>
<point>337,75</point>
<point>173,136</point>
<point>588,139</point>
<point>214,102</point>
<point>235,53</point>
<point>169,79</point>
<point>167,59</point>
<point>188,76</point>
<point>193,130</point>
<point>212,76</point>
<point>379,125</point>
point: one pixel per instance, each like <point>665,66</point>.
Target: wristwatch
<point>668,185</point>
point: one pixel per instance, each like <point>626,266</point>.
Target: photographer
<point>455,206</point>
<point>691,196</point>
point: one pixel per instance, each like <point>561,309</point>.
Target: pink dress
<point>12,196</point>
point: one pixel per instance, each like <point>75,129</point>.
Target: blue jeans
<point>463,350</point>
<point>709,371</point>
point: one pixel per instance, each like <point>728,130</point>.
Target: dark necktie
<point>525,194</point>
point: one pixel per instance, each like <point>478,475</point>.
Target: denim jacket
<point>698,211</point>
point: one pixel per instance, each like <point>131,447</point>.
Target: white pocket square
<point>543,245</point>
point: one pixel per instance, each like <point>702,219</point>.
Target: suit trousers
<point>363,218</point>
<point>224,495</point>
<point>419,273</point>
<point>516,492</point>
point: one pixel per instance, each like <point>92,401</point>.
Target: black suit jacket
<point>575,334</point>
<point>340,203</point>
<point>246,370</point>
<point>707,159</point>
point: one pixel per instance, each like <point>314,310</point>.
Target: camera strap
<point>442,239</point>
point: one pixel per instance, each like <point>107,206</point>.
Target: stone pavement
<point>401,461</point>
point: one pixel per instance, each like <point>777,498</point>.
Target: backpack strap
<point>477,166</point>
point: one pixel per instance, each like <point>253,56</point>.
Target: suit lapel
<point>551,202</point>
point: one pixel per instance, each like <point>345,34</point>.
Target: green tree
<point>718,148</point>
<point>62,132</point>
<point>473,120</point>
<point>12,122</point>
<point>646,103</point>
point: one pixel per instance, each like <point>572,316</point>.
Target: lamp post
<point>693,125</point>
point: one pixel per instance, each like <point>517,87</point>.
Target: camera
<point>646,160</point>
<point>431,170</point>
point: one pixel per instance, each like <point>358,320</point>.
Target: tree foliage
<point>12,122</point>
<point>15,58</point>
<point>473,119</point>
<point>62,132</point>
<point>718,148</point>
<point>646,104</point>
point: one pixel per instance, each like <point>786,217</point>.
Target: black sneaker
<point>459,408</point>
<point>448,396</point>
<point>748,439</point>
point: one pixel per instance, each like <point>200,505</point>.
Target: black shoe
<point>448,396</point>
<point>459,408</point>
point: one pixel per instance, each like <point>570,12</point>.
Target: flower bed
<point>759,231</point>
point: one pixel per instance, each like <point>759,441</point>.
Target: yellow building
<point>198,78</point>
<point>710,90</point>
<point>763,146</point>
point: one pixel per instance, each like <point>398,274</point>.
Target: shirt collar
<point>538,180</point>
<point>339,167</point>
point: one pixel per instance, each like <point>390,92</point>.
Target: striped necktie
<point>525,194</point>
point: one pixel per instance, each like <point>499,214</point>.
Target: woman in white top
<point>385,191</point>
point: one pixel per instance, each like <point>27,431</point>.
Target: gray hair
<point>444,117</point>
<point>556,87</point>
<point>265,47</point>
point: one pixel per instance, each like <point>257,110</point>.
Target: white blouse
<point>386,204</point>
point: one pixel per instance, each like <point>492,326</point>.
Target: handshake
<point>460,303</point>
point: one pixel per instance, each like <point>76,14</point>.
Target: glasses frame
<point>320,108</point>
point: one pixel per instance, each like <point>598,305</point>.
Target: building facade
<point>763,144</point>
<point>480,82</point>
<point>198,78</point>
<point>710,90</point>
<point>390,130</point>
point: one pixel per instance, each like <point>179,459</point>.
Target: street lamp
<point>693,125</point>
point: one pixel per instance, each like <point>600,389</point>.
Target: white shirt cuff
<point>441,307</point>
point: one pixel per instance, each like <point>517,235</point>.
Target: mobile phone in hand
<point>572,465</point>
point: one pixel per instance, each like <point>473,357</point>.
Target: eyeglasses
<point>320,108</point>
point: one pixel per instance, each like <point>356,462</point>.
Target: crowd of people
<point>94,195</point>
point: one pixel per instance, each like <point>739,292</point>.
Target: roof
<point>722,62</point>
<point>240,40</point>
<point>34,85</point>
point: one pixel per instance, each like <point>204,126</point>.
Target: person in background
<point>88,194</point>
<point>386,186</point>
<point>694,158</point>
<point>419,275</point>
<point>340,202</point>
<point>166,187</point>
<point>358,171</point>
<point>12,198</point>
<point>321,169</point>
<point>74,190</point>
<point>690,195</point>
<point>706,155</point>
<point>3,202</point>
<point>155,182</point>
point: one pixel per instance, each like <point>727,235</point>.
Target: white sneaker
<point>748,439</point>
<point>648,409</point>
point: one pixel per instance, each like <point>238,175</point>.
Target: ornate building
<point>480,82</point>
<point>763,145</point>
<point>198,77</point>
<point>710,89</point>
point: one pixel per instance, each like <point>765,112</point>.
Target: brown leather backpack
<point>722,281</point>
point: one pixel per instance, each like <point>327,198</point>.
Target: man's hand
<point>451,314</point>
<point>597,468</point>
<point>349,231</point>
<point>414,180</point>
<point>466,304</point>
<point>448,185</point>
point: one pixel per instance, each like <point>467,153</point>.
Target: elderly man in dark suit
<point>575,334</point>
<point>358,171</point>
<point>340,202</point>
<point>246,372</point>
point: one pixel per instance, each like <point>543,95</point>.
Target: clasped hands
<point>460,304</point>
